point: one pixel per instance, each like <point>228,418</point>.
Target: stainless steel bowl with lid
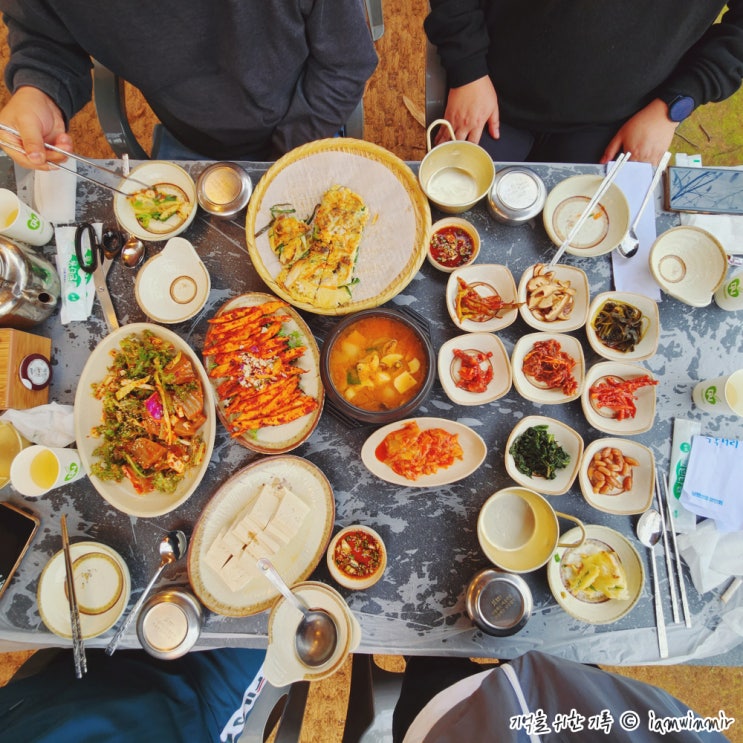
<point>498,603</point>
<point>517,195</point>
<point>169,623</point>
<point>223,189</point>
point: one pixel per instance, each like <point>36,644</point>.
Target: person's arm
<point>710,71</point>
<point>457,29</point>
<point>48,75</point>
<point>341,60</point>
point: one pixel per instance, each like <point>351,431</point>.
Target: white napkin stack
<point>49,425</point>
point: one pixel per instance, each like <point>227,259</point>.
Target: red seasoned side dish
<point>452,246</point>
<point>358,554</point>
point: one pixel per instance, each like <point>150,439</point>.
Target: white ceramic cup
<point>730,295</point>
<point>722,395</point>
<point>19,221</point>
<point>508,521</point>
<point>39,469</point>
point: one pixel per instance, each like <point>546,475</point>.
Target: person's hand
<point>38,119</point>
<point>469,109</point>
<point>647,135</point>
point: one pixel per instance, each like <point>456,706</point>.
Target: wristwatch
<point>680,107</point>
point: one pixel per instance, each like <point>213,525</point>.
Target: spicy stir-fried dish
<point>153,410</point>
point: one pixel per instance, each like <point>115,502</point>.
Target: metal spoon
<point>648,532</point>
<point>132,253</point>
<point>172,548</point>
<point>317,635</point>
<point>630,244</point>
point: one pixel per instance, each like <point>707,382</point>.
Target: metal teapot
<point>29,286</point>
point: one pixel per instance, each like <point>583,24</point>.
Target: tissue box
<point>15,346</point>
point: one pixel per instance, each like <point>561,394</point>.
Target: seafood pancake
<point>318,263</point>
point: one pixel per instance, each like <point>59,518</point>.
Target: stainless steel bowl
<point>517,195</point>
<point>498,603</point>
<point>169,623</point>
<point>223,189</point>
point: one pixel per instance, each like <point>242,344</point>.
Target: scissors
<point>91,256</point>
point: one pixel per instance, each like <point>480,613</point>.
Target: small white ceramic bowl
<point>443,231</point>
<point>636,499</point>
<point>174,284</point>
<point>486,343</point>
<point>602,231</point>
<point>650,320</point>
<point>689,264</point>
<point>571,278</point>
<point>153,173</point>
<point>489,278</point>
<point>566,437</point>
<point>530,390</point>
<point>644,400</point>
<point>343,577</point>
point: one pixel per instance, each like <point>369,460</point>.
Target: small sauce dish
<point>454,243</point>
<point>356,557</point>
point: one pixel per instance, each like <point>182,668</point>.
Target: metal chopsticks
<point>78,645</point>
<point>666,550</point>
<point>679,567</point>
<point>602,189</point>
<point>80,158</point>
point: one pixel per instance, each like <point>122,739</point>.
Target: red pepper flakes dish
<point>411,451</point>
<point>357,557</point>
<point>614,397</point>
<point>454,243</point>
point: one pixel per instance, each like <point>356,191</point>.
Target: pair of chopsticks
<point>678,574</point>
<point>17,148</point>
<point>78,645</point>
<point>602,189</point>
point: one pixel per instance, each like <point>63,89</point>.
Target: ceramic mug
<point>519,530</point>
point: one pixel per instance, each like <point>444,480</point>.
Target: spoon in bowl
<point>132,253</point>
<point>172,548</point>
<point>317,634</point>
<point>649,530</point>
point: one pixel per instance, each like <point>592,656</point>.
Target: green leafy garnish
<point>536,453</point>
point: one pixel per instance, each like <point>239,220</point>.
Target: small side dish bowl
<point>455,175</point>
<point>689,264</point>
<point>549,286</point>
<point>377,365</point>
<point>156,173</point>
<point>356,557</point>
<point>602,231</point>
<point>454,243</point>
<point>629,489</point>
<point>487,370</point>
<point>626,321</point>
<point>644,399</point>
<point>565,437</point>
<point>487,280</point>
<point>173,285</point>
<point>539,391</point>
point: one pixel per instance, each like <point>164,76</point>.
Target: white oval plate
<point>473,447</point>
<point>612,609</point>
<point>578,281</point>
<point>152,173</point>
<point>645,400</point>
<point>570,345</point>
<point>636,500</point>
<point>52,598</point>
<point>294,561</point>
<point>649,343</point>
<point>284,438</point>
<point>566,437</point>
<point>500,278</point>
<point>499,385</point>
<point>88,412</point>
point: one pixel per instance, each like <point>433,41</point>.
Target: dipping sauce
<point>452,246</point>
<point>357,554</point>
<point>378,363</point>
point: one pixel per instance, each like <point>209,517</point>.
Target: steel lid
<point>169,624</point>
<point>498,603</point>
<point>517,195</point>
<point>222,189</point>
